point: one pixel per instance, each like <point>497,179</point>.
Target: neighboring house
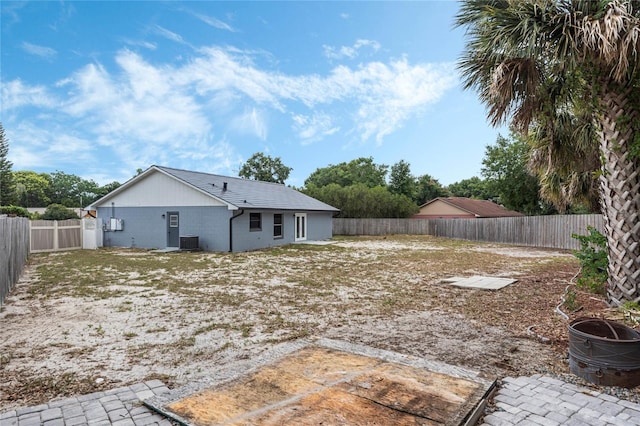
<point>462,208</point>
<point>165,207</point>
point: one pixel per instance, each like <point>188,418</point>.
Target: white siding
<point>158,190</point>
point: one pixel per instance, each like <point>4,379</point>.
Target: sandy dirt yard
<point>82,321</point>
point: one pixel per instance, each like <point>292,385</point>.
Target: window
<point>255,221</point>
<point>277,225</point>
<point>173,221</point>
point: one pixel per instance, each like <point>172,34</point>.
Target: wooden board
<point>319,385</point>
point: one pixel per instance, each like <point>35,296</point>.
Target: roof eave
<point>133,180</point>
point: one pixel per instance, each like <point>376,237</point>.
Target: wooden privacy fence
<point>534,231</point>
<point>53,235</point>
<point>14,250</point>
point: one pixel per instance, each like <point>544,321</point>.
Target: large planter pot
<point>604,352</point>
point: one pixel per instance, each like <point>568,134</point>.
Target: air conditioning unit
<point>189,242</point>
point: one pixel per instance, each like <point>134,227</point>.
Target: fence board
<point>14,250</point>
<point>53,235</point>
<point>534,231</point>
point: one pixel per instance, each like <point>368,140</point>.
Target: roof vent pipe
<point>224,186</point>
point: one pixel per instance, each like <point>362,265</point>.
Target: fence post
<point>56,245</point>
<point>14,240</point>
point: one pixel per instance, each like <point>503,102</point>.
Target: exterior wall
<point>319,227</point>
<point>146,228</point>
<point>154,191</point>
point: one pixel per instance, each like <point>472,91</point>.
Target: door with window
<point>301,227</point>
<point>173,229</point>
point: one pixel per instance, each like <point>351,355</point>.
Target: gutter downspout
<point>231,229</point>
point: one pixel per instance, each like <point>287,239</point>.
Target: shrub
<point>58,212</point>
<point>14,211</point>
<point>593,260</point>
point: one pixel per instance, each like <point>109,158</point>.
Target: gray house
<point>166,207</point>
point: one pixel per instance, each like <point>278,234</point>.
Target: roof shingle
<point>479,208</point>
<point>246,193</point>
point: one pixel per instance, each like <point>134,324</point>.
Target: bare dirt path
<point>90,320</point>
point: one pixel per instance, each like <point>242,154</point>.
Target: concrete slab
<point>316,243</point>
<point>323,381</point>
<point>166,250</point>
<point>480,282</point>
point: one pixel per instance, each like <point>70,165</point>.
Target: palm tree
<point>565,157</point>
<point>533,60</point>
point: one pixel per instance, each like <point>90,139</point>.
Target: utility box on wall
<point>115,224</point>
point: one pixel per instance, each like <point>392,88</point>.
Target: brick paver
<point>120,407</point>
<point>543,400</point>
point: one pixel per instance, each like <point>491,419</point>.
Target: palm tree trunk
<point>620,198</point>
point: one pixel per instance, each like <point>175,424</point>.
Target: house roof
<point>478,208</point>
<point>237,193</point>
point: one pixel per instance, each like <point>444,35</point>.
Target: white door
<point>301,227</point>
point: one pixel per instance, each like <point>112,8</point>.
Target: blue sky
<point>100,89</point>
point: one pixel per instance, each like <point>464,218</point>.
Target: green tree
<point>428,188</point>
<point>32,188</point>
<point>7,183</point>
<point>361,201</point>
<point>361,170</point>
<point>264,168</point>
<point>65,189</point>
<point>506,174</point>
<point>531,60</point>
<point>401,181</point>
<point>105,189</point>
<point>58,212</point>
<point>473,187</point>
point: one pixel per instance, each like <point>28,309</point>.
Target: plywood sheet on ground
<point>480,282</point>
<point>324,385</point>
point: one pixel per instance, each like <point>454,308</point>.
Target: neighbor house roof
<point>235,192</point>
<point>478,208</point>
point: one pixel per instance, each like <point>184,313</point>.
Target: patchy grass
<point>123,313</point>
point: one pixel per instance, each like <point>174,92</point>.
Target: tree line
<point>359,188</point>
<point>362,188</point>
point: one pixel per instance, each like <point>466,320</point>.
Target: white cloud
<point>314,127</point>
<point>149,113</point>
<point>46,145</point>
<point>169,35</point>
<point>251,122</point>
<point>91,89</point>
<point>395,92</point>
<point>36,50</point>
<point>350,52</point>
<point>140,113</point>
<point>218,70</point>
<point>16,94</point>
<point>214,22</point>
<point>141,43</point>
